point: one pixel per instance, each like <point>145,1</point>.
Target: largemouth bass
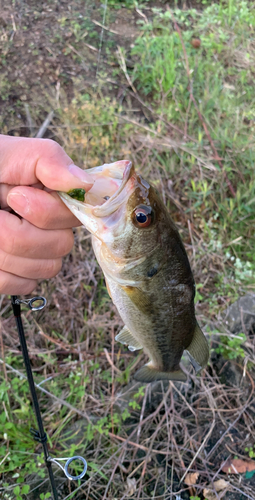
<point>146,269</point>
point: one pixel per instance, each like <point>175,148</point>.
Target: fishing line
<point>101,38</point>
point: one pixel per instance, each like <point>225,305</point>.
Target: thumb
<point>25,161</point>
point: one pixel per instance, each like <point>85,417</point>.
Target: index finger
<point>42,209</point>
<point>24,161</point>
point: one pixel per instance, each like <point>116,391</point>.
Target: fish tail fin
<point>198,350</point>
<point>150,374</point>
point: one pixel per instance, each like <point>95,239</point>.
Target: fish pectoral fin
<point>126,337</point>
<point>198,350</point>
<point>149,374</point>
<point>140,298</point>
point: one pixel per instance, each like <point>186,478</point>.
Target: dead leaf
<point>238,466</point>
<point>191,478</point>
<point>211,495</point>
<point>130,486</point>
<point>220,487</point>
<point>220,484</point>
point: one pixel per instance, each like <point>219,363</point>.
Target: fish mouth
<point>107,194</point>
<point>115,178</point>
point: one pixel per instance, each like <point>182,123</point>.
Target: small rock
<point>240,316</point>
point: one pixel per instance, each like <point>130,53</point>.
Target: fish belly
<point>135,321</point>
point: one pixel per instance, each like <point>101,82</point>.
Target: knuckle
<point>58,266</point>
<point>14,285</point>
<point>70,241</point>
<point>66,242</point>
<point>3,261</point>
<point>28,286</point>
<point>46,219</point>
<point>52,146</point>
<point>4,282</point>
<point>9,243</point>
<point>53,268</point>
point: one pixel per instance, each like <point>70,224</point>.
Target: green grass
<point>221,80</point>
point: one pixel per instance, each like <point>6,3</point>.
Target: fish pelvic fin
<point>198,350</point>
<point>150,374</point>
<point>126,337</point>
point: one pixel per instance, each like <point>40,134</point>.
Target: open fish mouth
<point>110,190</point>
<point>109,182</point>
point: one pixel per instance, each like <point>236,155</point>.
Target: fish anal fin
<point>126,337</point>
<point>149,374</point>
<point>198,350</point>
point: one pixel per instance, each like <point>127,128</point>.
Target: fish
<point>146,269</point>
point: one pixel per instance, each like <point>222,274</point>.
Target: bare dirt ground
<point>39,54</point>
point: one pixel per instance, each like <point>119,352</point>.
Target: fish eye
<point>142,216</point>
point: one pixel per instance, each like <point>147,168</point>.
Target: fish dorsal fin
<point>150,374</point>
<point>126,337</point>
<point>198,350</point>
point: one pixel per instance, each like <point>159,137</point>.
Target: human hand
<point>32,247</point>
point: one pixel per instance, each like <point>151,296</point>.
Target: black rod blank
<point>39,435</point>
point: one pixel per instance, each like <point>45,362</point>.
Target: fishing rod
<point>37,304</point>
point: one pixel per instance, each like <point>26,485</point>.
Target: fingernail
<point>19,203</point>
<point>81,175</point>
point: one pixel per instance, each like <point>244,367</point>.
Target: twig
<point>191,239</point>
<point>104,27</point>
<point>183,398</point>
<point>139,446</point>
<point>113,472</point>
<point>45,125</point>
<point>85,66</point>
<point>6,456</point>
<point>230,426</point>
<point>123,66</point>
<point>212,406</point>
<point>30,122</point>
<point>142,15</point>
<point>242,492</point>
<point>110,361</point>
<point>91,47</point>
<point>199,450</point>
